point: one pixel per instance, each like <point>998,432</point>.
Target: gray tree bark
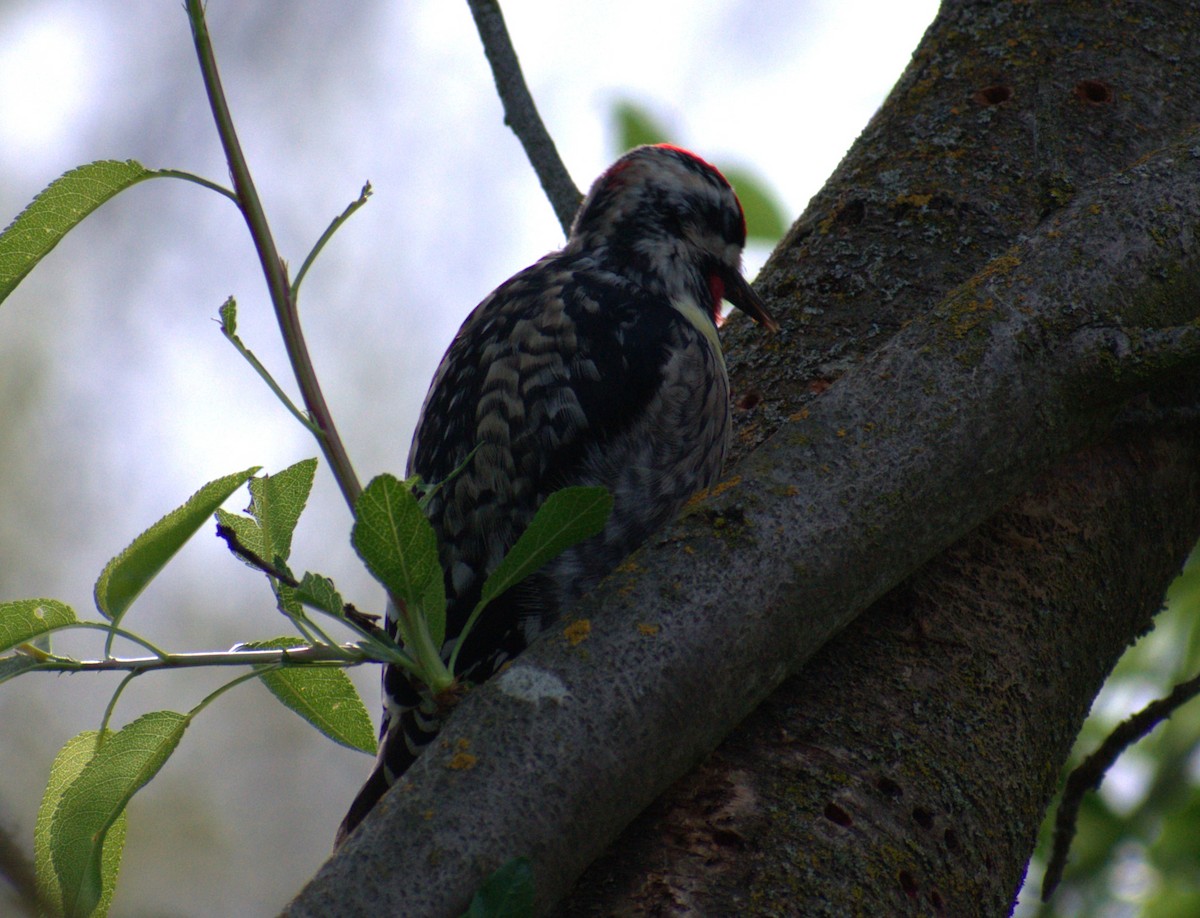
<point>976,295</point>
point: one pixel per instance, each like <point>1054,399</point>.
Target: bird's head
<point>670,222</point>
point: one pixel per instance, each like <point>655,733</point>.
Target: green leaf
<point>96,798</point>
<point>57,210</point>
<point>393,537</point>
<point>276,502</point>
<point>507,893</point>
<point>24,619</point>
<point>228,314</point>
<point>126,575</point>
<point>319,593</point>
<point>66,768</point>
<point>567,517</point>
<point>636,126</point>
<point>324,696</point>
<point>765,221</point>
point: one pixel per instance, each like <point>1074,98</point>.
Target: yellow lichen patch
<point>716,489</point>
<point>799,415</point>
<point>970,315</point>
<point>462,759</point>
<point>628,567</point>
<point>577,632</point>
<point>916,200</point>
<point>1002,264</point>
<point>648,630</point>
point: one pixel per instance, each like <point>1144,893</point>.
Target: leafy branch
<point>80,829</point>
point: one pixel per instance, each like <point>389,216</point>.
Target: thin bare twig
<point>282,293</point>
<point>1088,775</point>
<point>521,114</point>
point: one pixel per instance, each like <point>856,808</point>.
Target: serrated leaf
<point>95,799</point>
<point>57,210</point>
<point>276,502</point>
<point>126,575</point>
<point>636,126</point>
<point>765,221</point>
<point>567,517</point>
<point>319,592</point>
<point>395,540</point>
<point>507,893</point>
<point>228,314</point>
<point>24,619</point>
<point>248,533</point>
<point>323,696</point>
<point>66,768</point>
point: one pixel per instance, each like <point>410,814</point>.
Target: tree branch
<point>910,450</point>
<point>333,654</point>
<point>274,270</point>
<point>1090,772</point>
<point>520,112</point>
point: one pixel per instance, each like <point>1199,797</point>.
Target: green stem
<point>198,180</point>
<point>217,693</point>
<point>118,632</point>
<point>418,641</point>
<point>108,710</point>
<point>266,377</point>
<point>272,265</point>
<point>333,227</point>
<point>328,654</point>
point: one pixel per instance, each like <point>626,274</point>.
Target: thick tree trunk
<point>906,769</point>
<point>916,753</point>
<point>908,765</point>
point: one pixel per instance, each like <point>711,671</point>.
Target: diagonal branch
<point>901,457</point>
<point>521,114</point>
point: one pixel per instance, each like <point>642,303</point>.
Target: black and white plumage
<point>597,365</point>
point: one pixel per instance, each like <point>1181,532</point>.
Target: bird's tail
<point>405,732</point>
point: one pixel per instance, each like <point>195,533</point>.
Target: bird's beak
<point>740,294</point>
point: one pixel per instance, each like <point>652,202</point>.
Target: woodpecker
<point>597,365</point>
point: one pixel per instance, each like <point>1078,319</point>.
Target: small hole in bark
<point>908,884</point>
<point>922,817</point>
<point>889,787</point>
<point>852,213</point>
<point>993,95</point>
<point>1093,92</point>
<point>836,814</point>
<point>951,838</point>
<point>727,838</point>
<point>751,399</point>
<point>935,899</point>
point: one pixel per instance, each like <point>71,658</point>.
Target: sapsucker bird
<point>598,365</point>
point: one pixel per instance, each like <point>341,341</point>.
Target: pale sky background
<point>118,396</point>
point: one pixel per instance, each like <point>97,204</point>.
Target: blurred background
<point>119,397</point>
